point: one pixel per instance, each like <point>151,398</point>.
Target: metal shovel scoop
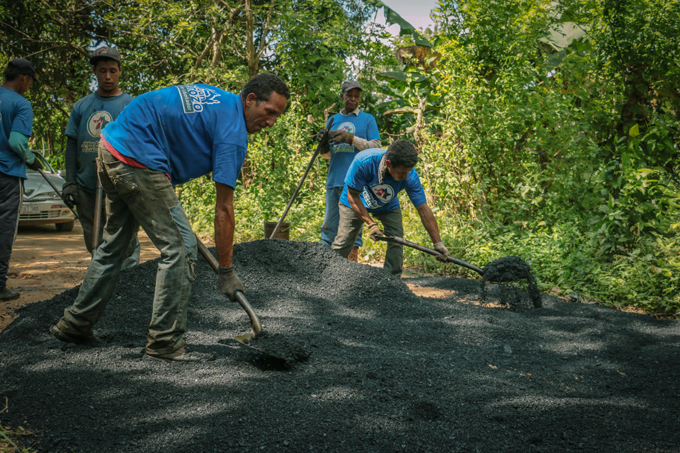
<point>506,269</point>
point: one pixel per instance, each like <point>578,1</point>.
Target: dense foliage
<point>548,130</point>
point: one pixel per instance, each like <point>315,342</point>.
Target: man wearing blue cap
<point>88,118</point>
<point>16,125</point>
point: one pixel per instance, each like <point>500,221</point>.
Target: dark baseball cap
<point>104,52</point>
<point>350,85</point>
<point>24,67</point>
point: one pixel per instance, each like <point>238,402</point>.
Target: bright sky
<point>417,12</point>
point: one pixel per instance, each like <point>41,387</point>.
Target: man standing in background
<point>89,116</point>
<point>352,131</point>
<point>16,125</point>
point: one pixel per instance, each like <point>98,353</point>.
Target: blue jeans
<point>329,229</point>
<point>134,197</point>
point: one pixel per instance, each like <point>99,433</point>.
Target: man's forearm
<point>19,144</point>
<point>429,222</point>
<point>71,159</point>
<point>362,144</point>
<point>224,225</point>
<point>358,207</point>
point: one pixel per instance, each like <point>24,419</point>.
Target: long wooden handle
<point>297,189</point>
<point>451,259</point>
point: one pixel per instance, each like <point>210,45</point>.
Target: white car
<point>41,204</point>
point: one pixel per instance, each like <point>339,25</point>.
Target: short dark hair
<point>402,153</point>
<point>262,86</point>
<point>12,73</point>
<point>94,65</point>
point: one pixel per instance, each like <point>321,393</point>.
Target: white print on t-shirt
<point>97,121</point>
<point>383,192</point>
<point>194,98</point>
<point>345,147</point>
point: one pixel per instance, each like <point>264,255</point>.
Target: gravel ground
<point>388,371</point>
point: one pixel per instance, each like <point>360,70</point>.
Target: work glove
<point>320,137</point>
<point>35,165</point>
<point>70,194</point>
<point>340,137</point>
<point>228,282</point>
<point>374,230</point>
<point>441,248</point>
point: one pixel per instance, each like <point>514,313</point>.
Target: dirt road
<point>46,262</point>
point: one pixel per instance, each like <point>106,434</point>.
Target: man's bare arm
<point>429,222</point>
<point>362,144</point>
<point>358,207</point>
<point>224,224</point>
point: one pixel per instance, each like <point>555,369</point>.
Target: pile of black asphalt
<point>386,371</point>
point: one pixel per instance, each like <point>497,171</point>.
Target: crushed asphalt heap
<point>512,269</point>
<point>386,370</point>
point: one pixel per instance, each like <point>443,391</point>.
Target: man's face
<point>351,99</point>
<point>108,72</point>
<point>397,173</point>
<point>259,115</point>
<point>25,82</point>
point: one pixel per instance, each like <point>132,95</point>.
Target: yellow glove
<point>374,230</point>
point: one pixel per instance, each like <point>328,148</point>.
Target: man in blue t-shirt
<point>16,125</point>
<point>165,137</point>
<point>372,185</point>
<point>88,118</point>
<point>352,131</point>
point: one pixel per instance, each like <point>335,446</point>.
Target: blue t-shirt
<point>342,154</point>
<point>16,114</point>
<point>186,131</point>
<point>364,176</point>
<point>88,118</point>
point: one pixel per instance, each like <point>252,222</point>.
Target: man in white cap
<point>16,125</point>
<point>352,131</point>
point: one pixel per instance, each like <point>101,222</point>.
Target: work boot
<point>7,294</point>
<point>182,355</point>
<point>63,333</point>
<point>354,255</point>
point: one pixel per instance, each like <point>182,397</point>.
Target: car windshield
<point>47,168</point>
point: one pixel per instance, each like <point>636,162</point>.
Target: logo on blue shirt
<point>194,97</point>
<point>383,192</point>
<point>97,121</point>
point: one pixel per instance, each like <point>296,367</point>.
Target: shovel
<point>58,193</point>
<point>506,269</point>
<point>274,346</point>
<point>309,167</point>
<point>240,298</point>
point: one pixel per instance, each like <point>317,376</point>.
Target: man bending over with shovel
<point>373,181</point>
<point>165,137</point>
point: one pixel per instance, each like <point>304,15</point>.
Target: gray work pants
<point>134,197</point>
<point>11,194</point>
<point>350,224</point>
<point>86,205</point>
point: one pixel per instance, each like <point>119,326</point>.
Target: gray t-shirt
<point>89,116</point>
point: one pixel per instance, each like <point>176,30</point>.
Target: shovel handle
<point>297,189</point>
<point>451,259</point>
<point>58,193</point>
<point>240,298</point>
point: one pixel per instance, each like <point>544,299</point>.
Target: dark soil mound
<point>388,371</point>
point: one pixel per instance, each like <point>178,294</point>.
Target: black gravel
<point>388,371</point>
